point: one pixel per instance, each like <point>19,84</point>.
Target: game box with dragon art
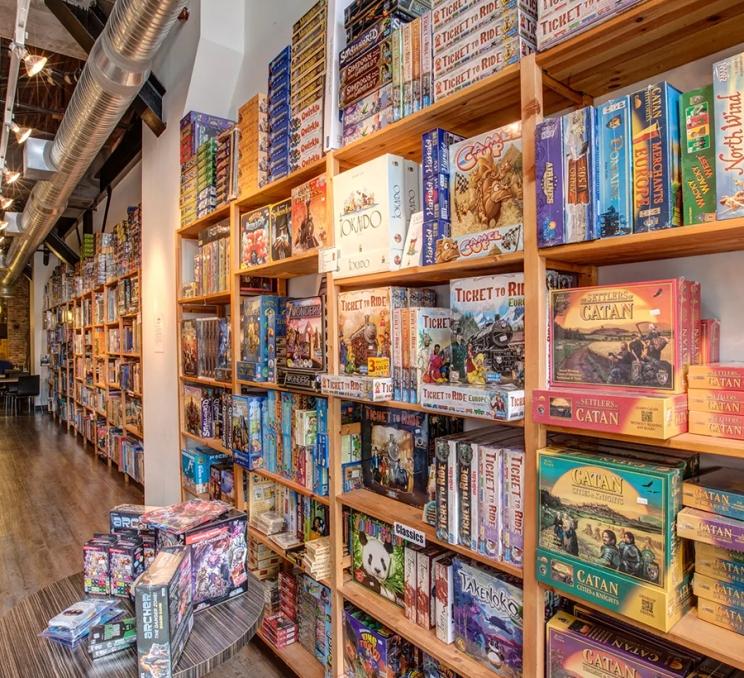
<point>487,330</point>
<point>629,336</point>
<point>485,196</point>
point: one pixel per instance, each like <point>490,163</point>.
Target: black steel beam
<point>123,157</point>
<point>61,248</point>
<point>64,225</point>
<point>85,26</point>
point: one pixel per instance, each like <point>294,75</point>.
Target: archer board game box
<point>164,612</point>
<point>626,336</point>
<point>370,216</point>
<point>487,330</point>
<point>485,196</point>
<point>309,215</point>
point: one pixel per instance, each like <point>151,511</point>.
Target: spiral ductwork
<point>117,67</point>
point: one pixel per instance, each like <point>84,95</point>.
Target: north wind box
<point>649,416</point>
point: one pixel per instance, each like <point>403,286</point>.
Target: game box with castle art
<point>377,557</point>
<point>631,336</point>
<point>485,196</point>
<point>488,617</point>
<point>487,330</point>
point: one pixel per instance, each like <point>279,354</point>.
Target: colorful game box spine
<point>657,189</point>
<point>696,302</point>
<point>720,563</point>
<point>424,571</point>
<point>396,46</point>
<point>549,182</point>
<point>720,491</point>
<point>717,376</point>
<point>416,65</point>
<point>615,169</point>
<point>718,591</point>
<point>453,495</point>
<point>410,582</point>
<point>711,400</point>
<point>407,64</point>
<point>580,174</point>
<point>728,90</point>
<point>375,34</point>
<point>427,66</point>
<point>379,102</point>
<point>512,501</point>
<point>731,618</point>
<point>709,528</point>
<point>465,474</point>
<point>444,599</point>
<point>490,460</point>
<point>717,425</point>
<point>397,354</point>
<point>698,156</point>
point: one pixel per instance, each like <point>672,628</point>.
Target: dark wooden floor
<point>53,496</point>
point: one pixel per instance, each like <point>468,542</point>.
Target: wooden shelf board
<point>684,241</point>
<point>281,188</point>
<point>292,485</point>
<point>129,355</point>
<point>391,511</point>
<point>643,41</point>
<point>205,381</point>
<point>394,618</point>
<point>291,267</point>
<point>133,430</point>
<point>212,443</point>
<point>192,230</point>
<point>202,495</point>
<point>436,274</point>
<point>215,298</point>
<point>691,442</point>
<point>296,657</point>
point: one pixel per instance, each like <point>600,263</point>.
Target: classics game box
<point>488,330</point>
<point>625,336</point>
<point>710,528</point>
<point>650,416</point>
<point>485,196</point>
<point>718,376</point>
<point>719,491</point>
<point>488,617</point>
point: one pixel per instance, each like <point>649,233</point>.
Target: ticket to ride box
<point>649,416</point>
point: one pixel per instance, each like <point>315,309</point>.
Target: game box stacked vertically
<point>279,114</point>
<point>226,167</point>
<point>716,400</point>
<point>713,518</point>
<point>307,86</point>
<point>206,178</point>
<point>253,144</point>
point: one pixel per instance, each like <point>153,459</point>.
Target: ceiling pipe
<point>117,67</point>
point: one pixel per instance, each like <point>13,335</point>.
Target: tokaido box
<point>709,528</point>
<point>615,169</point>
<point>731,618</point>
<point>719,563</point>
<point>657,180</point>
<point>698,156</point>
<point>370,216</point>
<point>649,416</point>
<point>719,491</point>
<point>717,425</point>
<point>717,376</point>
<point>549,182</point>
<point>728,90</point>
<point>584,647</point>
<point>580,174</point>
<point>713,400</point>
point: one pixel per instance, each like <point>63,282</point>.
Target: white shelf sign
<point>410,534</point>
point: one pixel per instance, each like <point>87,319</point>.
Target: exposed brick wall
<point>19,321</point>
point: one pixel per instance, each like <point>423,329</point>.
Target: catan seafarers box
<point>709,528</point>
<point>719,491</point>
<point>719,563</point>
<point>607,533</point>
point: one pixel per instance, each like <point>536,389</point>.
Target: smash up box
<point>698,156</point>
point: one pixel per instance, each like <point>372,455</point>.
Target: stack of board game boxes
<point>713,518</point>
<point>307,85</point>
<point>196,468</point>
<point>226,166</point>
<point>205,348</point>
<point>207,413</point>
<point>253,144</point>
<point>291,227</point>
<point>595,166</point>
<point>715,399</point>
<point>618,356</point>
<point>211,262</point>
<point>279,114</point>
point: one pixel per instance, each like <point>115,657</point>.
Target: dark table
<point>219,632</point>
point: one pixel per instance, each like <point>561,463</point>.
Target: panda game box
<point>377,557</point>
<point>487,330</point>
<point>488,617</point>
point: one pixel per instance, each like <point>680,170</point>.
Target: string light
<point>11,177</point>
<point>3,225</point>
<point>21,133</point>
<point>5,203</point>
<point>34,64</point>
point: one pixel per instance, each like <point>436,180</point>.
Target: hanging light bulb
<point>3,225</point>
<point>34,64</point>
<point>21,133</point>
<point>5,203</point>
<point>11,177</point>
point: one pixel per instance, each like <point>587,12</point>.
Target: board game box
<point>261,326</point>
<point>189,347</point>
<point>247,431</point>
<point>710,528</point>
<point>711,400</point>
<point>657,180</point>
<point>370,216</point>
<point>192,410</point>
<point>731,618</point>
<point>485,196</point>
<point>719,491</point>
<point>488,617</point>
<point>625,336</point>
<point>365,330</point>
<point>374,389</point>
<point>487,330</point>
<point>581,647</point>
<point>717,376</point>
<point>309,219</point>
<point>698,156</point>
<point>717,424</point>
<point>549,182</point>
<point>649,416</point>
<point>580,174</point>
<point>254,237</point>
<point>280,236</point>
<point>504,402</point>
<point>718,591</point>
<point>377,557</point>
<point>301,356</point>
<point>615,169</point>
<point>429,353</point>
<point>719,563</point>
<point>728,90</point>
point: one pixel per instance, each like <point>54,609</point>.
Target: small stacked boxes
<point>279,114</point>
<point>206,175</point>
<point>307,86</point>
<point>280,627</point>
<point>713,518</point>
<point>225,179</point>
<point>716,400</point>
<point>315,618</point>
<point>472,40</point>
<point>262,561</point>
<point>253,126</point>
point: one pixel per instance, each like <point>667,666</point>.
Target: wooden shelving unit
<point>640,43</point>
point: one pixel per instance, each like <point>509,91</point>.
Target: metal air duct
<point>117,67</point>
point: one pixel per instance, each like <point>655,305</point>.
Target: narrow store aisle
<point>53,496</point>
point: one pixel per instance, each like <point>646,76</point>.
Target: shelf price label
<point>327,260</point>
<point>416,537</point>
